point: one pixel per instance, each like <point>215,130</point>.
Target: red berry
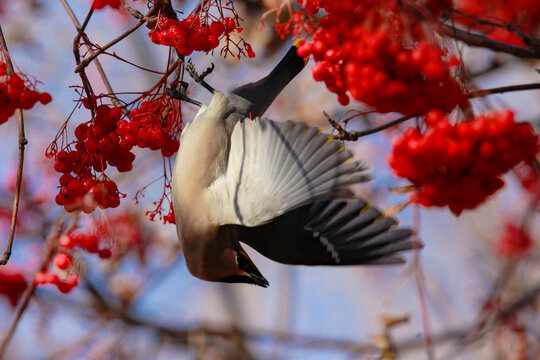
<point>45,98</point>
<point>66,241</point>
<point>62,260</point>
<point>104,253</point>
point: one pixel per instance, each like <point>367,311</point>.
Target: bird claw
<point>208,71</point>
<point>180,93</point>
<point>199,78</point>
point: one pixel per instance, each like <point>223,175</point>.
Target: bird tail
<point>331,232</point>
<point>355,233</point>
<point>263,92</point>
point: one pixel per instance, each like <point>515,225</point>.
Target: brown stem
<point>83,64</point>
<point>420,281</point>
<point>102,74</point>
<point>529,41</point>
<point>502,89</point>
<point>76,53</point>
<point>20,163</point>
<point>27,295</point>
<point>482,41</point>
<point>355,135</point>
<point>136,14</point>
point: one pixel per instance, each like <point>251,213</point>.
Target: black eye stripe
<point>244,263</point>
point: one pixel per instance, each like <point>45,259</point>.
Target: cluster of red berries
<point>521,14</point>
<point>515,241</point>
<point>125,229</point>
<point>64,284</point>
<point>378,66</point>
<point>63,260</point>
<point>169,218</point>
<point>16,94</point>
<point>529,179</point>
<point>12,285</point>
<point>100,4</point>
<point>190,34</point>
<point>154,125</point>
<point>88,242</point>
<point>98,145</point>
<point>460,165</point>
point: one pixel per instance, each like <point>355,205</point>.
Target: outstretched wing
<point>275,167</point>
<point>330,233</point>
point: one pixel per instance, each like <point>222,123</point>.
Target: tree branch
<point>50,244</point>
<point>83,64</point>
<point>20,163</point>
<point>502,89</point>
<point>102,74</point>
<point>355,135</point>
<point>473,39</point>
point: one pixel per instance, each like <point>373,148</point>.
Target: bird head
<point>246,271</point>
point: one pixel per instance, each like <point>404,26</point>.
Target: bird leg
<point>199,78</point>
<point>180,93</point>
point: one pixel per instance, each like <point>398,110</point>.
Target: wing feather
<point>275,167</point>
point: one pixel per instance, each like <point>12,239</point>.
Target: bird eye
<point>243,262</point>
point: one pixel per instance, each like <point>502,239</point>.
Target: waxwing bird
<point>283,188</point>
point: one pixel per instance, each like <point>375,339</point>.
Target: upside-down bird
<point>282,188</point>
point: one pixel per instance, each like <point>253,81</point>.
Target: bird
<point>282,188</point>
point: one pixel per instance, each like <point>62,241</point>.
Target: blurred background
<point>143,304</point>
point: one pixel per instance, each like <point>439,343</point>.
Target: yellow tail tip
<point>297,42</point>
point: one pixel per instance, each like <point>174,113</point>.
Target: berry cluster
<point>64,284</point>
<point>169,218</point>
<point>12,285</point>
<point>100,4</point>
<point>529,179</point>
<point>88,242</point>
<point>520,14</point>
<point>460,165</point>
<point>16,94</point>
<point>125,229</point>
<point>64,274</point>
<point>190,34</point>
<point>97,146</point>
<point>378,63</point>
<point>515,241</point>
<point>154,125</point>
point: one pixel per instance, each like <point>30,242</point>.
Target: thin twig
<point>502,89</point>
<point>473,39</point>
<point>95,54</point>
<point>102,74</point>
<point>20,163</point>
<point>355,135</point>
<point>27,295</point>
<point>531,42</point>
<point>87,86</point>
<point>420,281</point>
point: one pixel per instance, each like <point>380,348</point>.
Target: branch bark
<point>502,89</point>
<point>50,244</point>
<point>102,74</point>
<point>355,135</point>
<point>20,163</point>
<point>473,39</point>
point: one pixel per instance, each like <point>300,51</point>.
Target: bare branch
<point>102,74</point>
<point>20,162</point>
<point>473,39</point>
<point>355,135</point>
<point>83,64</point>
<point>502,89</point>
<point>50,244</point>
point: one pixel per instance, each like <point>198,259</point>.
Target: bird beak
<point>258,279</point>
